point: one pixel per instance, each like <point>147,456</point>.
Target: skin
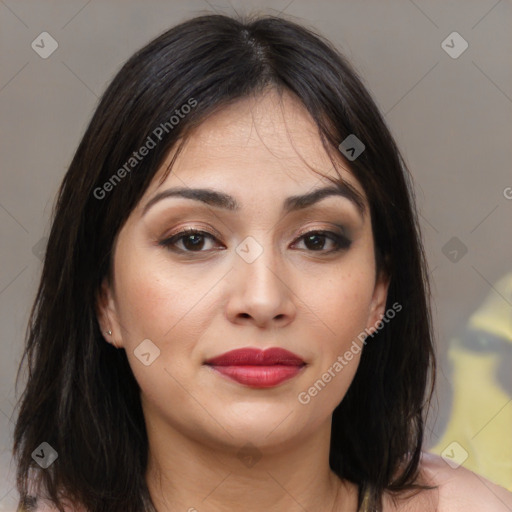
<point>195,305</point>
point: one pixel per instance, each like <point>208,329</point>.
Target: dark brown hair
<point>81,396</point>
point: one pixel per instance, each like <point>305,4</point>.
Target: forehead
<point>257,145</point>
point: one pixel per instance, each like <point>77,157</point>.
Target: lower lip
<point>259,376</point>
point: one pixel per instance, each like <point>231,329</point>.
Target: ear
<point>378,303</point>
<point>107,314</point>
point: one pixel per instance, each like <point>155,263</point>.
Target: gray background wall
<point>452,118</point>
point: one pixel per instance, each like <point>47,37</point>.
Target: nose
<point>261,292</point>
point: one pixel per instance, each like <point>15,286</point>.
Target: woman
<point>233,311</point>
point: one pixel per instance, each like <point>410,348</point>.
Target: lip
<point>258,368</point>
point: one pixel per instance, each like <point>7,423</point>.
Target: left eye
<point>193,240</point>
<point>313,238</point>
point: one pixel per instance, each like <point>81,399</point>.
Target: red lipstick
<point>257,368</point>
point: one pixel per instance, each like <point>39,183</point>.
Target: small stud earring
<point>109,332</point>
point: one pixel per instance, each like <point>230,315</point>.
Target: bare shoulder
<point>459,489</point>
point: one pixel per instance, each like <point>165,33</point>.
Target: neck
<point>184,474</point>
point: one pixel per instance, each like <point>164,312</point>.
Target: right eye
<point>191,239</point>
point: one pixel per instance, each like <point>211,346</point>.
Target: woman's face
<point>251,280</point>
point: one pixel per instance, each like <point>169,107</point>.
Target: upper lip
<point>256,357</point>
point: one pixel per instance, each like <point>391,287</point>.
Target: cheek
<point>152,298</point>
<point>346,301</point>
<point>341,308</point>
<point>341,300</point>
<point>157,303</point>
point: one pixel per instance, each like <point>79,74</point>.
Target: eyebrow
<point>293,203</point>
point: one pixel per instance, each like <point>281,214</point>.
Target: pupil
<point>317,237</point>
<point>194,244</point>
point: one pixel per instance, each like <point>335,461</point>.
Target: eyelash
<point>341,242</point>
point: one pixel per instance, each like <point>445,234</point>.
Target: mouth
<point>257,368</point>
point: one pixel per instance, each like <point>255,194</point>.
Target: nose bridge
<point>259,286</point>
<point>258,264</point>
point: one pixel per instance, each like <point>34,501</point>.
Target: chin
<point>266,428</point>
